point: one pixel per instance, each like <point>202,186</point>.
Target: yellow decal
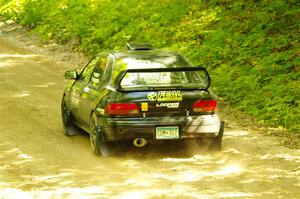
<point>164,96</point>
<point>144,106</point>
<point>152,96</point>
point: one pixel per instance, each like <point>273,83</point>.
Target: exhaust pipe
<point>140,142</point>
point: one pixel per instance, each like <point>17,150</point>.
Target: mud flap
<point>216,144</point>
<point>68,125</point>
<point>104,148</point>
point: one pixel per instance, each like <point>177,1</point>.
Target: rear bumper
<point>115,129</point>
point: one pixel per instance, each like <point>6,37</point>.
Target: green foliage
<point>11,9</point>
<point>251,48</point>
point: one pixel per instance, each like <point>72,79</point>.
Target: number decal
<point>163,96</point>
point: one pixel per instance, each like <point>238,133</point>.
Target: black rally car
<point>140,94</point>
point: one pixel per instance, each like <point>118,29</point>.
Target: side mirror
<point>71,74</point>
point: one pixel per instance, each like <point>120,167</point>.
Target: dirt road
<point>37,160</point>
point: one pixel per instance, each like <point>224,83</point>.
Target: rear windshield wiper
<point>164,87</point>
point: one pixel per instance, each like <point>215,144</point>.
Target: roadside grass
<point>236,119</point>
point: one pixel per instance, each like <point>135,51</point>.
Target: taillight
<point>205,106</point>
<point>122,109</point>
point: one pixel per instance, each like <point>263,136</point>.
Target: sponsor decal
<point>165,96</point>
<point>168,105</point>
<point>95,74</point>
<point>169,96</point>
<point>144,106</point>
<point>152,96</point>
<point>95,80</point>
<point>75,99</point>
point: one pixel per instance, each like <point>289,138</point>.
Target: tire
<point>67,119</point>
<point>216,143</point>
<point>98,145</point>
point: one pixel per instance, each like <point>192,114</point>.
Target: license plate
<point>167,132</point>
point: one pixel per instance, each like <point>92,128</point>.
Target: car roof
<point>143,53</point>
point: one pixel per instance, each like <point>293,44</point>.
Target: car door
<point>92,89</point>
<point>77,90</point>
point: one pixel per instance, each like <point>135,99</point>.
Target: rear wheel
<point>67,119</point>
<point>216,143</point>
<point>98,145</point>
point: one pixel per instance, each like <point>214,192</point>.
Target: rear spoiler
<point>122,74</point>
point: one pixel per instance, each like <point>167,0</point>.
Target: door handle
<point>86,89</point>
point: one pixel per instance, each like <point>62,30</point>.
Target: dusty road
<point>37,160</point>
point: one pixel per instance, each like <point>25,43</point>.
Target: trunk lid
<point>164,103</point>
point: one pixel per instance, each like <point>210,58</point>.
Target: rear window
<point>151,80</point>
<point>151,61</point>
<point>157,79</point>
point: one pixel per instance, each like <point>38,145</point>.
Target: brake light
<point>205,106</point>
<point>122,109</point>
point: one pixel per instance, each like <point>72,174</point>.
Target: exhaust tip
<point>140,142</point>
